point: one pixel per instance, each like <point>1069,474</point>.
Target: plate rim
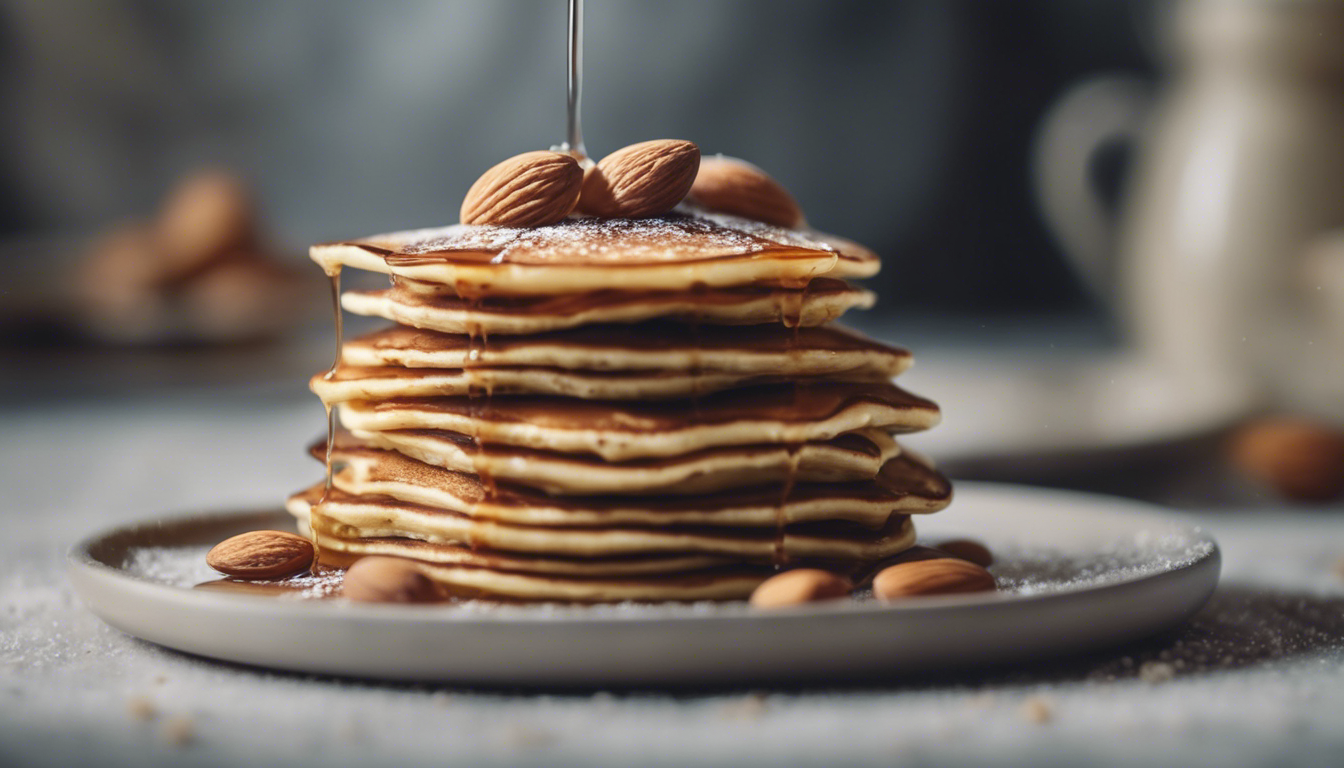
<point>81,562</point>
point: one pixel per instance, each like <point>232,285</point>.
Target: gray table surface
<point>1257,678</point>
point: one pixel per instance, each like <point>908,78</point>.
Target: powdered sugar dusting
<point>177,566</point>
<point>185,567</point>
<point>686,234</point>
<point>315,585</point>
<point>1032,571</point>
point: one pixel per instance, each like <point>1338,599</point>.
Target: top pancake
<point>439,308</point>
<point>676,251</point>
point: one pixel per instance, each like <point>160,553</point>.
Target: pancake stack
<point>607,409</point>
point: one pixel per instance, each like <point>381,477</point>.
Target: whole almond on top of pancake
<point>730,185</point>
<point>641,180</point>
<point>528,190</point>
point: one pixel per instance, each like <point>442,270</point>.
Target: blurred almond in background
<point>1299,459</point>
<point>198,270</point>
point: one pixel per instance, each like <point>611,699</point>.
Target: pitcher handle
<point>1088,116</point>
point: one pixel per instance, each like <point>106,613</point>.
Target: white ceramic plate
<point>1081,572</point>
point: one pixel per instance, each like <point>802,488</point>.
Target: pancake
<point>419,305</point>
<point>731,582</point>
<point>331,533</point>
<point>674,252</point>
<point>849,457</point>
<point>467,573</point>
<point>907,484</point>
<point>761,350</point>
<point>382,382</point>
<point>382,517</point>
<point>625,430</point>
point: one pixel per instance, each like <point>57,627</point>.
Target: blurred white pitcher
<point>1226,262</point>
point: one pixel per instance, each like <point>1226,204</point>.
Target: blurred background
<point>1109,228</point>
<point>906,125</point>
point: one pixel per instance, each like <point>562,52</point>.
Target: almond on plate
<point>801,585</point>
<point>943,576</point>
<point>261,555</point>
<point>387,580</point>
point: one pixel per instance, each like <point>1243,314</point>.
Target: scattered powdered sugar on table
<point>1257,677</point>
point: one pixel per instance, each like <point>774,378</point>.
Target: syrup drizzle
<point>331,372</point>
<point>316,510</point>
<point>694,323</point>
<point>791,301</point>
<point>479,397</point>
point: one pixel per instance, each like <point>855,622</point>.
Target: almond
<point>968,550</point>
<point>206,216</point>
<point>729,185</point>
<point>645,179</point>
<point>1301,460</point>
<point>528,190</point>
<point>261,555</point>
<point>387,580</point>
<point>802,585</point>
<point>931,577</point>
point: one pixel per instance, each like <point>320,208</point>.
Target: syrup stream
<point>574,81</point>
